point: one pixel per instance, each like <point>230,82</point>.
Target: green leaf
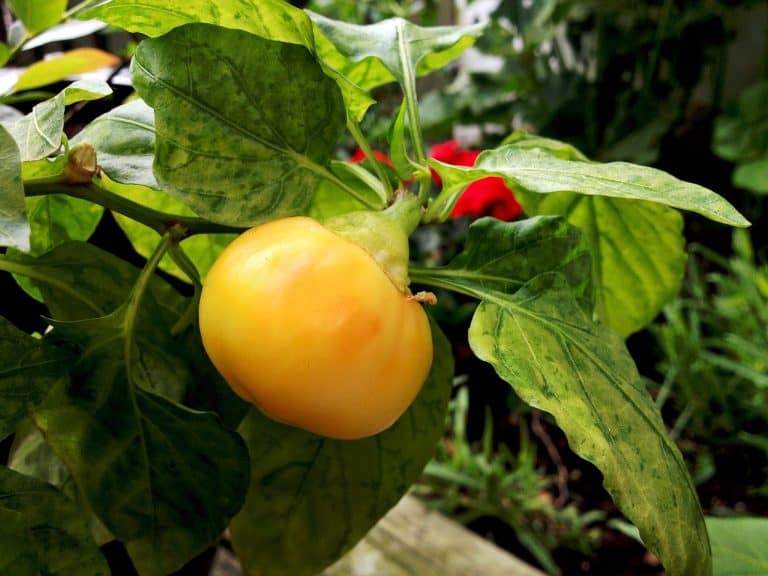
<point>397,137</point>
<point>39,133</point>
<point>37,15</point>
<point>752,176</point>
<point>56,219</point>
<point>5,53</point>
<point>77,61</point>
<point>503,256</point>
<point>79,281</point>
<point>163,478</point>
<point>537,171</point>
<point>14,226</point>
<point>738,545</point>
<point>30,367</point>
<point>124,139</point>
<point>320,496</point>
<point>329,200</point>
<point>741,133</point>
<point>42,532</point>
<point>31,455</point>
<point>556,148</point>
<point>558,360</point>
<point>400,50</point>
<point>638,252</point>
<point>272,19</point>
<point>241,146</point>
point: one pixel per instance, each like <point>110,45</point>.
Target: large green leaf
<point>312,498</point>
<point>559,361</point>
<point>243,145</point>
<point>38,134</point>
<point>42,532</point>
<point>638,253</point>
<point>738,545</point>
<point>37,15</point>
<point>535,170</point>
<point>272,19</point>
<point>124,139</point>
<point>14,226</point>
<point>539,339</point>
<point>393,49</point>
<point>79,281</point>
<point>163,478</point>
<point>30,455</point>
<point>30,368</point>
<point>621,208</point>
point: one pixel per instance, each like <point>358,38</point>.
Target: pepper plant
<point>122,428</point>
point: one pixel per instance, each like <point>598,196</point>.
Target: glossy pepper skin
<point>307,326</point>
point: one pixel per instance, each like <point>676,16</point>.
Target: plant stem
<point>365,146</point>
<point>159,221</point>
<point>188,267</point>
<point>134,300</point>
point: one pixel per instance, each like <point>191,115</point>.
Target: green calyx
<point>383,235</point>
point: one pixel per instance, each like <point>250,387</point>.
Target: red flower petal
<point>359,156</point>
<point>488,197</point>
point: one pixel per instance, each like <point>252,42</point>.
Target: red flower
<point>485,197</point>
<point>359,156</point>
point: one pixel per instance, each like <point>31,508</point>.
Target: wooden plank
<point>413,541</point>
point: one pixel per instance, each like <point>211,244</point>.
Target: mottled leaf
<point>38,134</point>
<point>31,455</point>
<point>312,498</point>
<point>240,146</point>
<point>29,369</point>
<point>272,19</point>
<point>558,360</point>
<point>181,474</point>
<point>43,532</point>
<point>124,139</point>
<point>393,49</point>
<point>37,15</point>
<point>738,545</point>
<point>503,256</point>
<point>14,226</point>
<point>77,61</point>
<point>535,170</point>
<point>638,254</point>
